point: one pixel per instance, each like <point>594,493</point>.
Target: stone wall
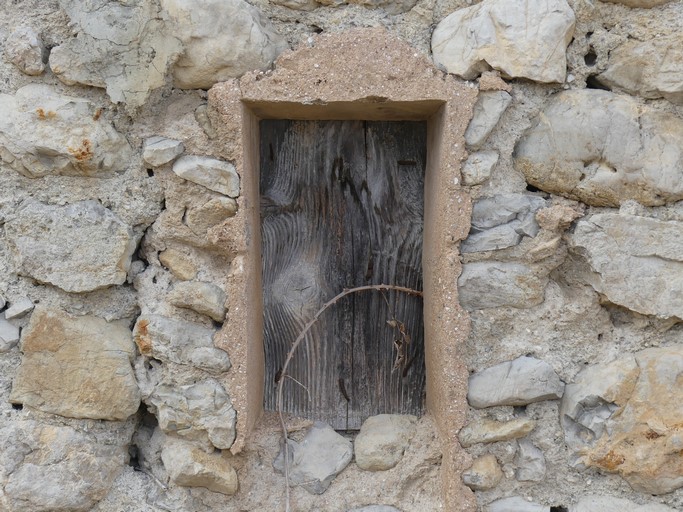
<point>121,195</point>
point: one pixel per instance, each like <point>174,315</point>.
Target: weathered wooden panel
<point>342,206</point>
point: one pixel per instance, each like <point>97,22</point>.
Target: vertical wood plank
<point>341,206</point>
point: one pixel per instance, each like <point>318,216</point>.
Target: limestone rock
<point>222,39</point>
<point>651,69</point>
<point>612,504</point>
<point>9,334</point>
<point>216,175</point>
<point>79,247</point>
<point>637,262</point>
<point>492,284</point>
<point>43,132</point>
<point>125,47</point>
<point>520,382</point>
<point>624,418</point>
<point>492,431</point>
<point>178,263</point>
<point>317,459</point>
<point>180,342</point>
<point>204,298</point>
<point>521,39</point>
<point>190,467</point>
<point>644,4</point>
<point>489,107</point>
<point>478,167</point>
<point>483,474</point>
<point>78,367</point>
<point>515,504</point>
<point>200,412</point>
<point>530,462</point>
<point>19,308</point>
<point>158,151</point>
<point>24,48</point>
<point>298,5</point>
<point>382,440</point>
<point>56,468</point>
<point>201,217</point>
<point>501,221</point>
<point>603,149</point>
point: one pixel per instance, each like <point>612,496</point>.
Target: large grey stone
<point>651,69</point>
<point>204,298</point>
<point>9,334</point>
<point>25,49</point>
<point>80,247</point>
<point>317,459</point>
<point>489,107</point>
<point>125,47</point>
<point>79,367</point>
<point>222,39</point>
<point>521,39</point>
<point>603,149</point>
<point>636,262</point>
<point>46,468</point>
<point>625,418</point>
<point>613,504</point>
<point>484,473</point>
<point>43,132</point>
<point>211,173</point>
<point>492,431</point>
<point>180,342</point>
<point>190,467</point>
<point>530,462</point>
<point>492,284</point>
<point>515,504</point>
<point>501,221</point>
<point>382,440</point>
<point>520,382</point>
<point>200,412</point>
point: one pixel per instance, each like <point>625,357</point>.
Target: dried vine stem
<point>295,345</point>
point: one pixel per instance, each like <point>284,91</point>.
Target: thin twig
<point>295,346</point>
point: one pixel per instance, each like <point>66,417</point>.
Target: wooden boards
<point>342,206</point>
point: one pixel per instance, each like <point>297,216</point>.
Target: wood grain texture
<point>342,206</point>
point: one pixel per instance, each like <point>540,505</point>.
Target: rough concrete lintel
<point>357,74</point>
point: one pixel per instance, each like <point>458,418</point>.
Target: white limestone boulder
<point>520,39</point>
<point>43,132</point>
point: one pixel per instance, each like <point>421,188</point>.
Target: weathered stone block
<point>79,367</point>
<point>492,431</point>
<point>489,107</point>
<point>80,247</point>
<point>216,175</point>
<point>25,49</point>
<point>204,298</point>
<point>382,440</point>
<point>158,151</point>
<point>483,474</point>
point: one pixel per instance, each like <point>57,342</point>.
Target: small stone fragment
<point>80,247</point>
<point>9,334</point>
<point>200,412</point>
<point>382,440</point>
<point>45,133</point>
<point>515,504</point>
<point>478,167</point>
<point>180,342</point>
<point>492,431</point>
<point>493,284</point>
<point>317,459</point>
<point>191,467</point>
<point>24,48</point>
<point>483,474</point>
<point>158,151</point>
<point>489,107</point>
<point>530,462</point>
<point>204,298</point>
<point>222,39</point>
<point>178,263</point>
<point>19,308</point>
<point>78,367</point>
<point>200,218</point>
<point>520,382</point>
<point>521,39</point>
<point>216,175</point>
<point>613,504</point>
